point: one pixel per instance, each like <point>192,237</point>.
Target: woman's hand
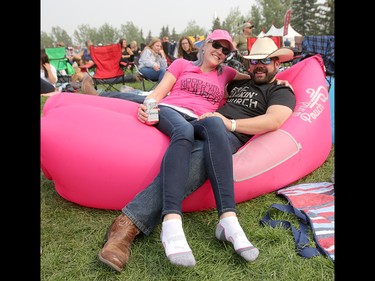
<point>285,83</point>
<point>156,67</point>
<point>226,121</point>
<point>212,114</point>
<point>142,115</point>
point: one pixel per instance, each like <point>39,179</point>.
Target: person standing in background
<point>240,41</point>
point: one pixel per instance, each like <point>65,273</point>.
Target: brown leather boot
<point>120,235</point>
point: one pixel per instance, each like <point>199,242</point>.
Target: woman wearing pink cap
<point>195,88</point>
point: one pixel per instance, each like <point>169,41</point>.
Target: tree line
<point>309,17</point>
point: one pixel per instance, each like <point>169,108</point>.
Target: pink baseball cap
<point>220,34</point>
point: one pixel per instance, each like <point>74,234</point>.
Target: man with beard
<point>253,106</point>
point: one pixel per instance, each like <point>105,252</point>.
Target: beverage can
<point>152,111</point>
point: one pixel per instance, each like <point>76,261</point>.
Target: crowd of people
<point>199,125</point>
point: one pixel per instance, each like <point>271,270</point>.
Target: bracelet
<point>234,125</point>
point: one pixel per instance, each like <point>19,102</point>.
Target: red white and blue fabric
<point>313,204</point>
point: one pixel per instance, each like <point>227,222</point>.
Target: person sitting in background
<point>136,52</point>
<point>48,74</point>
<point>126,52</point>
<point>84,56</point>
<point>152,61</point>
<point>70,55</point>
<point>187,50</point>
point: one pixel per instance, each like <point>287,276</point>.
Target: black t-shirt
<point>193,56</point>
<point>246,99</point>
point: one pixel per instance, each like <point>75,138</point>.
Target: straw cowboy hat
<point>264,47</point>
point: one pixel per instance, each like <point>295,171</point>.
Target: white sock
<point>174,241</point>
<point>229,229</point>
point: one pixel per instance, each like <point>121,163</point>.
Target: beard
<point>267,79</point>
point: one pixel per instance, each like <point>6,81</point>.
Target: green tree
<point>216,24</point>
<point>193,29</point>
<point>273,11</point>
<point>175,36</point>
<point>130,32</point>
<point>164,32</point>
<point>304,17</point>
<point>149,37</point>
<point>326,17</point>
<point>257,19</point>
<point>46,41</point>
<point>107,35</point>
<point>60,35</point>
<point>234,21</point>
<point>83,33</point>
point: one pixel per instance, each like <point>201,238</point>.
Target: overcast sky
<point>145,14</point>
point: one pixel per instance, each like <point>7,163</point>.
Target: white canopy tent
<point>261,34</point>
<point>273,31</point>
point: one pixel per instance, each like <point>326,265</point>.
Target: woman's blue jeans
<point>218,161</point>
<point>174,169</point>
<point>152,74</point>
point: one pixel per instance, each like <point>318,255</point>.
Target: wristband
<point>234,125</point>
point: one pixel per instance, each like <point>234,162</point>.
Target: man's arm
<point>272,120</point>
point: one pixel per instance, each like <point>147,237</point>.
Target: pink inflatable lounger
<point>98,154</point>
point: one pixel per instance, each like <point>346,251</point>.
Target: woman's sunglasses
<point>265,61</point>
<point>216,45</point>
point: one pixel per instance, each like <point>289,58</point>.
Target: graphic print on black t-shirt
<point>243,96</point>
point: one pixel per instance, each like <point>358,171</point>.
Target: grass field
<point>72,235</point>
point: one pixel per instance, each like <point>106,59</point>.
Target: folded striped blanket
<point>313,204</point>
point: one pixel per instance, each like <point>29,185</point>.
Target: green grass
<point>72,235</point>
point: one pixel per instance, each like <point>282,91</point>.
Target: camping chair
<point>153,83</point>
<point>57,57</point>
<point>323,45</point>
<point>107,66</point>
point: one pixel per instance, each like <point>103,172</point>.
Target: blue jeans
<point>152,74</point>
<point>218,160</point>
<point>125,96</point>
<point>46,87</point>
<point>174,170</point>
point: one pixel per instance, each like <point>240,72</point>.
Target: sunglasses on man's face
<point>216,45</point>
<point>265,61</point>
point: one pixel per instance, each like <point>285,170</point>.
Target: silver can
<point>152,111</point>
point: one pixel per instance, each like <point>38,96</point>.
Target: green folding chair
<point>57,57</point>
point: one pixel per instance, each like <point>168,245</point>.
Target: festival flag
<point>287,21</point>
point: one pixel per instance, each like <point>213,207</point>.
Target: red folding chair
<point>107,66</point>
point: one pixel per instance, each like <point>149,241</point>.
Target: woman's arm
<point>241,76</point>
<point>161,91</point>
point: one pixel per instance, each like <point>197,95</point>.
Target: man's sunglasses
<point>216,45</point>
<point>265,61</point>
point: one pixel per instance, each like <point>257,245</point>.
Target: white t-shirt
<point>54,72</point>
